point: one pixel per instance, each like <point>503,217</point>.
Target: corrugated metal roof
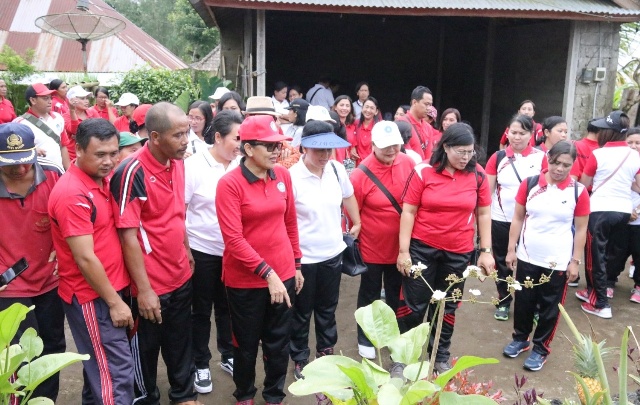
<point>120,53</point>
<point>599,8</point>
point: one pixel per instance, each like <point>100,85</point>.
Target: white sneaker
<point>367,352</point>
<point>203,383</point>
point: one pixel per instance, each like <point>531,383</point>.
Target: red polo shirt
<point>259,226</point>
<point>103,112</point>
<point>149,196</point>
<point>7,113</point>
<point>421,140</point>
<point>122,124</point>
<point>379,241</point>
<point>446,204</point>
<point>30,233</point>
<point>361,139</point>
<point>78,206</point>
<point>59,105</point>
<point>584,147</point>
<point>71,126</point>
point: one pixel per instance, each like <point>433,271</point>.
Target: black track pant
<point>255,319</point>
<point>208,292</point>
<point>499,245</point>
<point>601,226</point>
<point>623,243</point>
<point>440,264</point>
<point>319,297</point>
<point>543,299</point>
<point>370,286</point>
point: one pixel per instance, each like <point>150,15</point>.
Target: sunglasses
<point>269,146</point>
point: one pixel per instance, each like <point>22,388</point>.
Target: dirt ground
<point>477,333</point>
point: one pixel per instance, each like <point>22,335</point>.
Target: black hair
<point>295,87</point>
<point>360,84</point>
<point>279,85</point>
<point>548,124</point>
<point>224,121</point>
<point>301,115</point>
<point>458,134</point>
<point>350,117</point>
<point>55,84</point>
<point>405,108</point>
<point>527,102</point>
<point>405,132</point>
<point>101,90</point>
<point>375,116</point>
<point>205,109</point>
<point>562,148</point>
<point>525,122</point>
<point>419,92</point>
<point>338,128</point>
<point>448,111</point>
<point>325,79</point>
<point>231,95</point>
<point>633,131</point>
<point>592,128</point>
<point>158,118</point>
<point>611,135</point>
<point>98,128</point>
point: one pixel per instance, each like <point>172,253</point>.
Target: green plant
<point>209,84</point>
<point>155,85</point>
<point>23,359</point>
<point>16,67</point>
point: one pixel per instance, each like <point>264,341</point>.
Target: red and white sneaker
<point>635,295</point>
<point>601,312</point>
<point>583,295</point>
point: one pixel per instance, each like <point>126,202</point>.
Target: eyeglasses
<point>463,153</point>
<point>195,118</point>
<point>269,146</point>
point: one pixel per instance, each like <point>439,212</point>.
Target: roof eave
<point>417,12</point>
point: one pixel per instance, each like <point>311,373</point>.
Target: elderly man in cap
<point>47,126</point>
<point>25,186</point>
<point>128,102</point>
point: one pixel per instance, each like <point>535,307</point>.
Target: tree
<point>189,26</point>
<point>16,67</point>
<point>628,78</point>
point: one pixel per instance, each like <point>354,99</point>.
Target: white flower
<point>438,295</point>
<point>418,266</point>
<point>515,285</point>
<point>475,292</point>
<point>466,273</point>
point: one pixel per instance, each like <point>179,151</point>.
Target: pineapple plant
<point>586,366</point>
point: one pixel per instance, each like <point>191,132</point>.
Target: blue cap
<point>327,140</point>
<point>17,145</point>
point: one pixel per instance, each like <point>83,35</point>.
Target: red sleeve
<point>13,112</point>
<point>73,215</point>
<point>544,165</point>
<point>64,139</point>
<point>521,196</point>
<point>357,179</point>
<point>291,218</point>
<point>484,194</point>
<point>71,126</point>
<point>591,166</point>
<point>576,169</point>
<point>415,186</point>
<point>491,167</point>
<point>229,209</point>
<point>583,206</point>
<point>503,138</point>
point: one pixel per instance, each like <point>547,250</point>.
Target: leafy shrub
<point>155,85</point>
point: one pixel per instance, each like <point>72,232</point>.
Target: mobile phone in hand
<point>14,271</point>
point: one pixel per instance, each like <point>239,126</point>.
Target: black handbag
<point>352,263</point>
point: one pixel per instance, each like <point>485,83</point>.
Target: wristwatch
<point>485,250</point>
<point>577,261</point>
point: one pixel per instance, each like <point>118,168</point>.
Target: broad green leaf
<point>451,398</point>
<point>378,374</point>
<point>341,397</point>
<point>463,363</point>
<point>388,394</point>
<point>183,101</point>
<point>14,350</point>
<point>40,401</point>
<point>10,320</point>
<point>407,348</point>
<point>411,371</point>
<point>34,373</point>
<point>15,362</point>
<point>418,391</point>
<point>323,375</point>
<point>363,384</point>
<point>378,322</point>
<point>31,343</point>
<point>5,386</point>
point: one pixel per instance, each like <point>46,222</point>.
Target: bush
<point>155,85</point>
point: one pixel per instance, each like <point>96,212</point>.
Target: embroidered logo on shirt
<point>90,194</point>
<point>281,187</point>
<point>152,179</point>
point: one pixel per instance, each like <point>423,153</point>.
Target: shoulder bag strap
<point>612,173</point>
<point>42,127</point>
<point>514,169</point>
<point>346,219</point>
<point>423,145</point>
<point>314,94</point>
<point>382,188</point>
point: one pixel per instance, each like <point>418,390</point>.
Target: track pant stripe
<point>137,368</point>
<point>106,385</point>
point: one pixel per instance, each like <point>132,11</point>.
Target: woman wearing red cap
<point>255,204</point>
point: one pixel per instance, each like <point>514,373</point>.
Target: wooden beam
<point>261,52</point>
<point>488,83</point>
<point>247,49</point>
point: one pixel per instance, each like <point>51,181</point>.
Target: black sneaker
<point>227,365</point>
<point>297,369</point>
<point>441,367</point>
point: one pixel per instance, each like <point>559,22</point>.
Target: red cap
<point>260,128</point>
<point>38,89</point>
<point>140,113</point>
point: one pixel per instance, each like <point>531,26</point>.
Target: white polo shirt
<point>318,207</point>
<point>547,234</point>
<point>528,163</point>
<point>202,173</point>
<point>280,106</point>
<point>615,194</point>
<point>44,141</point>
<point>196,144</point>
